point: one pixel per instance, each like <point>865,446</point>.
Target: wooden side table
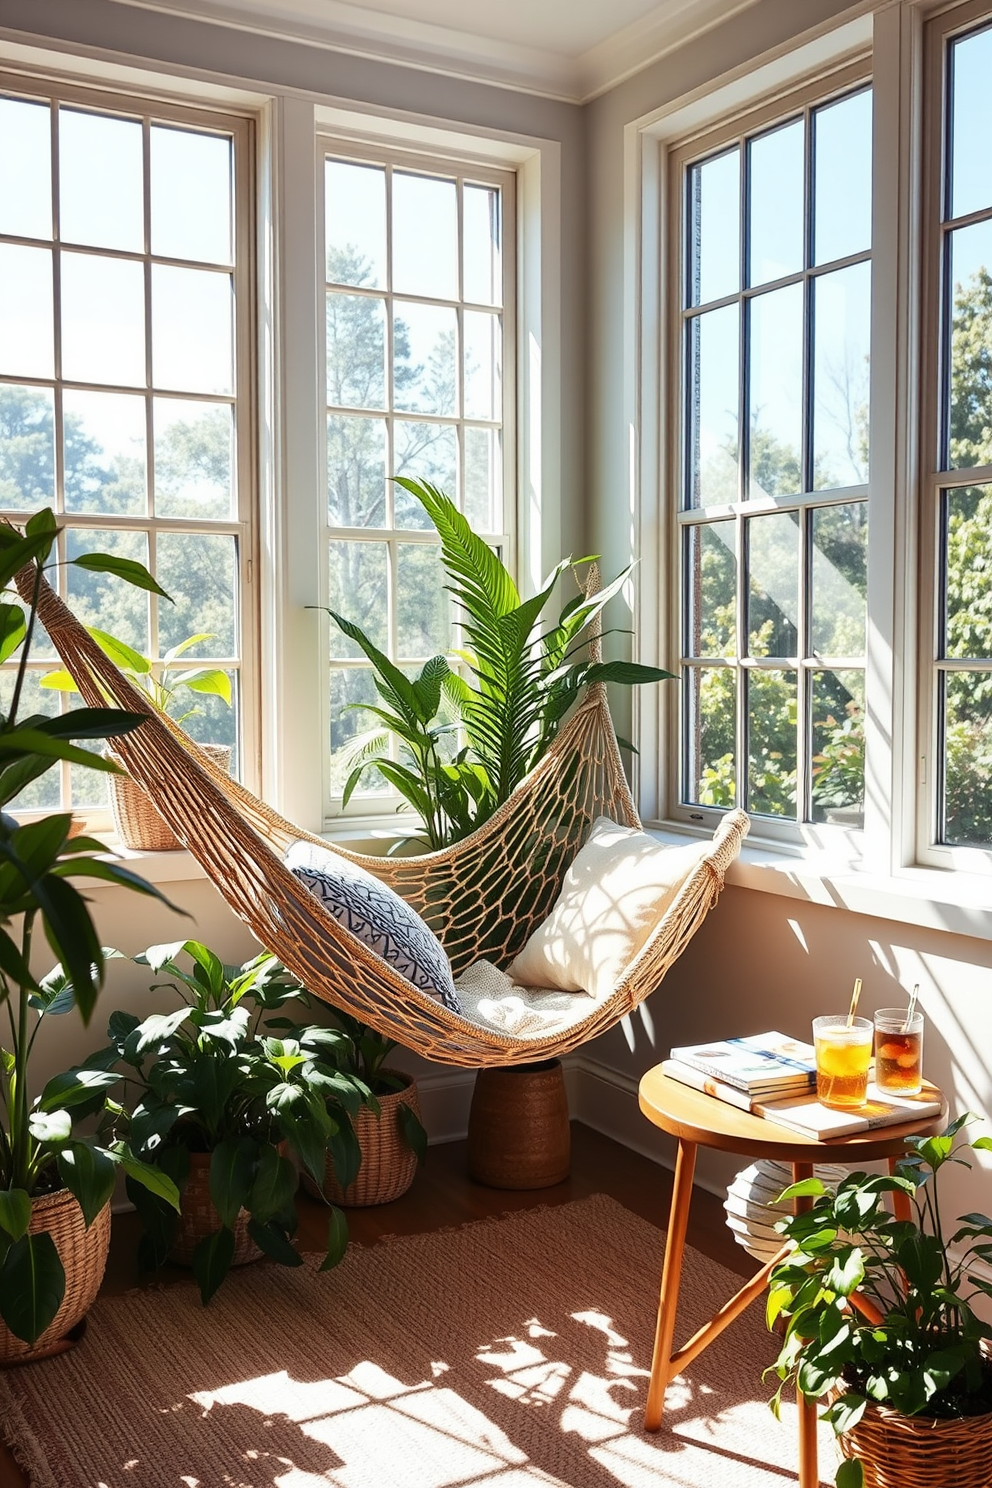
<point>697,1119</point>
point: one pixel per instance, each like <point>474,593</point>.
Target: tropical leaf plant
<point>878,1309</point>
<point>40,1149</point>
<point>212,1076</point>
<point>162,682</point>
<point>467,734</point>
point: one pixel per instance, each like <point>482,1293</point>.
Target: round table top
<point>697,1117</point>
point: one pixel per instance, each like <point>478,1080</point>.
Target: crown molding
<point>340,26</point>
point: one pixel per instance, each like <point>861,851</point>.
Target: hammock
<point>482,897</point>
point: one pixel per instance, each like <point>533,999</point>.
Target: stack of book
<point>774,1076</point>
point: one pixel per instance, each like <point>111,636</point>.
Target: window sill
<point>932,898</point>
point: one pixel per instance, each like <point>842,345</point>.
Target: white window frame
<point>116,97</point>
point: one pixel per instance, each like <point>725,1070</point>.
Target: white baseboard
<point>445,1099</point>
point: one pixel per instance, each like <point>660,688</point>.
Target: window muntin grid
<point>125,379</point>
<point>773,369</point>
<point>419,356</point>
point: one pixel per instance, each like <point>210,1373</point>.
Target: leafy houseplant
<point>46,1168</point>
<point>217,1092</point>
<point>138,824</point>
<point>465,741</point>
<point>879,1317</point>
<point>390,1135</point>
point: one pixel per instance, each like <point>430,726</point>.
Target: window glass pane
<point>423,626</point>
<point>967,713</point>
<point>425,236</point>
<point>841,352</point>
<point>194,458</point>
<point>356,471</point>
<point>355,224</point>
<point>27,321</point>
<point>483,479</point>
<point>771,700</point>
<point>425,378</point>
<point>775,404</point>
<point>970,415</point>
<point>105,463</point>
<point>27,448</point>
<point>192,330</point>
<point>356,351</point>
<point>838,601</point>
<point>838,746</point>
<point>424,452</point>
<point>349,686</point>
<point>971,162</point>
<point>103,320</point>
<point>43,794</point>
<point>100,599</point>
<point>712,578</point>
<point>968,599</point>
<point>776,167</point>
<point>200,571</point>
<point>773,589</point>
<point>714,211</point>
<point>711,726</point>
<point>483,268</point>
<point>842,178</point>
<point>358,590</point>
<point>101,196</point>
<point>210,721</point>
<point>483,353</point>
<point>25,169</point>
<point>713,396</point>
<point>192,195</point>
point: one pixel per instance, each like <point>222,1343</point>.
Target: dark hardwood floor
<point>443,1195</point>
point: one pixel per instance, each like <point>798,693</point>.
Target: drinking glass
<point>898,1051</point>
<point>843,1052</point>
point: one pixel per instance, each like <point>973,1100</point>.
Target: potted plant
<point>878,1320</point>
<point>139,825</point>
<point>55,1184</point>
<point>221,1105</point>
<point>388,1130</point>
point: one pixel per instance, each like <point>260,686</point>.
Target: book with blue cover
<point>756,1064</point>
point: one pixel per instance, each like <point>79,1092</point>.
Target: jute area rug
<point>511,1353</point>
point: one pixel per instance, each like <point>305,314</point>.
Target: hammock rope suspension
<point>483,896</point>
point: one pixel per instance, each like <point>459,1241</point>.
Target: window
<point>125,376</point>
<point>773,250</point>
<point>957,504</point>
<point>419,376</point>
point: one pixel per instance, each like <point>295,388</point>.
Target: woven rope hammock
<point>482,897</point>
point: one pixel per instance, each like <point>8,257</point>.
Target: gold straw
<point>911,1009</point>
<point>854,1001</point>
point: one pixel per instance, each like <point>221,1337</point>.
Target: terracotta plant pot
<point>139,826</point>
<point>388,1162</point>
<point>83,1253</point>
<point>198,1218</point>
<point>518,1131</point>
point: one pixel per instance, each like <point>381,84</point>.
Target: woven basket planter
<point>898,1451</point>
<point>518,1131</point>
<point>83,1253</point>
<point>389,1165</point>
<point>198,1218</point>
<point>138,824</point>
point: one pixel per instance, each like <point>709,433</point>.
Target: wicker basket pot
<point>198,1218</point>
<point>389,1164</point>
<point>138,824</point>
<point>898,1451</point>
<point>83,1253</point>
<point>518,1131</point>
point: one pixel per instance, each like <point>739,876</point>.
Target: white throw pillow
<point>615,892</point>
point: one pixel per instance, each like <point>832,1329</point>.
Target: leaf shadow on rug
<point>506,1354</point>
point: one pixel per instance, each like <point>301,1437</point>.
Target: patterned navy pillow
<point>372,912</point>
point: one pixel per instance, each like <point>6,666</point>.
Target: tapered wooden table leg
<point>901,1206</point>
<point>809,1466</point>
<point>671,1272</point>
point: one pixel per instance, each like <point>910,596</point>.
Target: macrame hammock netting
<point>482,897</point>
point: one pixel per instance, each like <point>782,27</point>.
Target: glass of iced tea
<point>898,1051</point>
<point>843,1053</point>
